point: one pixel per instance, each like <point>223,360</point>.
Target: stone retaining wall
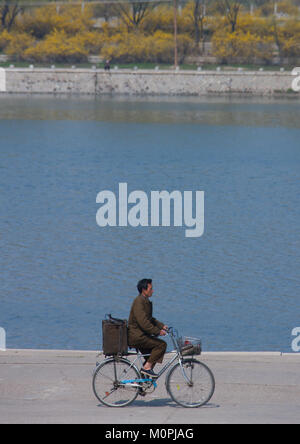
<point>143,82</point>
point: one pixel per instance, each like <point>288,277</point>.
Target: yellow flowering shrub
<point>58,47</point>
<point>289,36</point>
<point>253,24</point>
<point>15,44</point>
<point>45,20</point>
<point>159,48</point>
<point>160,18</point>
<point>241,47</point>
<point>46,34</point>
<point>5,38</point>
<point>90,41</point>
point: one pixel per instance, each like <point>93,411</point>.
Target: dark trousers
<point>155,347</point>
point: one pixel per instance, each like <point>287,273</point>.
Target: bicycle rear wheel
<point>109,382</point>
<point>199,388</point>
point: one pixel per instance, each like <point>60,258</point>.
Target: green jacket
<point>141,324</point>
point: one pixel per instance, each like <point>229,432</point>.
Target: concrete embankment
<point>143,82</point>
<point>56,387</point>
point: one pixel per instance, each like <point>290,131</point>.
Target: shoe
<point>150,373</point>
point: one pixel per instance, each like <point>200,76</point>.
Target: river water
<point>236,287</point>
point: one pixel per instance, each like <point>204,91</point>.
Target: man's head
<point>145,287</point>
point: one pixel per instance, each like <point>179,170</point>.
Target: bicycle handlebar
<point>170,331</point>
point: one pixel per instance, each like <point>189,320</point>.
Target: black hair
<point>143,284</point>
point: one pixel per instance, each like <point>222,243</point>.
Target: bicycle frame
<point>165,367</point>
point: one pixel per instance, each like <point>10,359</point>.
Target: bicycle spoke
<point>107,394</point>
<point>119,395</point>
<point>201,386</point>
<point>107,377</point>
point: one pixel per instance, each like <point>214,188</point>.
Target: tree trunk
<point>9,14</point>
<point>175,35</point>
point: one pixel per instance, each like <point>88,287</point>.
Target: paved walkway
<point>55,387</point>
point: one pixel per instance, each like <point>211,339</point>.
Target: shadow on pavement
<point>163,402</point>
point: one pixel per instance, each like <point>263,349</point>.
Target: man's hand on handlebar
<point>164,330</point>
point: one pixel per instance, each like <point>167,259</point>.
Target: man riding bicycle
<point>143,329</point>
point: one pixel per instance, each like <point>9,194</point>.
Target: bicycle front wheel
<point>111,384</point>
<point>190,385</point>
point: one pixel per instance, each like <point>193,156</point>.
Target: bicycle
<point>117,381</point>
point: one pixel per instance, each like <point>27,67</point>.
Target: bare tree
<point>230,9</point>
<point>9,10</point>
<point>199,14</point>
<point>278,40</point>
<point>132,14</point>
